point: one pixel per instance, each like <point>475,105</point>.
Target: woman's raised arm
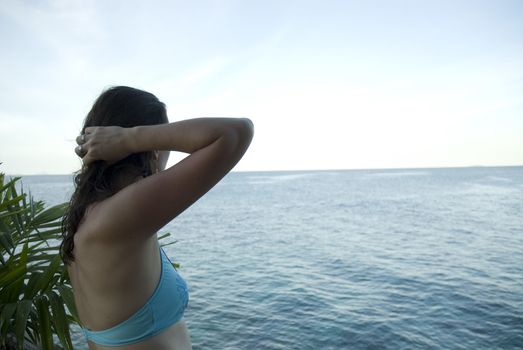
<point>139,210</point>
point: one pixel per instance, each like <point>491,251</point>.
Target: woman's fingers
<point>89,129</point>
<point>80,151</point>
<point>81,139</point>
<point>101,143</point>
<point>86,156</point>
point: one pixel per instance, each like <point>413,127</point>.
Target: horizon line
<point>309,170</point>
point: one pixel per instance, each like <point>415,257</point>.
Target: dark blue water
<point>366,259</point>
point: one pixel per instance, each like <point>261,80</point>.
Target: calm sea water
<point>366,259</point>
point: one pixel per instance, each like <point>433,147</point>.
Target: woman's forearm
<point>186,136</point>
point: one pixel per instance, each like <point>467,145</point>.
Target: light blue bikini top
<point>164,308</point>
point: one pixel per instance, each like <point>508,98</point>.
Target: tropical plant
<point>34,286</point>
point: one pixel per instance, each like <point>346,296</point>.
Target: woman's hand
<point>109,143</point>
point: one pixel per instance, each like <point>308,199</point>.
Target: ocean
<point>349,259</point>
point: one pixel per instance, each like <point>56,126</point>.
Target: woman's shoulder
<point>87,230</point>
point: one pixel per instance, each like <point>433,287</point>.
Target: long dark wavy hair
<point>116,106</point>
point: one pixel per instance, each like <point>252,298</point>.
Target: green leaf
<point>6,241</point>
<point>5,205</point>
<point>32,327</point>
<point>8,186</point>
<point>30,264</point>
<point>167,244</point>
<point>50,214</point>
<point>47,276</point>
<point>46,335</point>
<point>6,318</point>
<point>11,276</point>
<point>60,320</point>
<point>67,296</point>
<point>23,254</point>
<point>30,289</point>
<point>9,213</point>
<point>10,183</point>
<point>13,281</point>
<point>163,235</point>
<point>15,289</point>
<point>53,233</point>
<point>32,206</point>
<point>22,313</point>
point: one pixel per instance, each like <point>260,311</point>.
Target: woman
<point>127,293</point>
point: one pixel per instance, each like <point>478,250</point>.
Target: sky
<point>328,84</point>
